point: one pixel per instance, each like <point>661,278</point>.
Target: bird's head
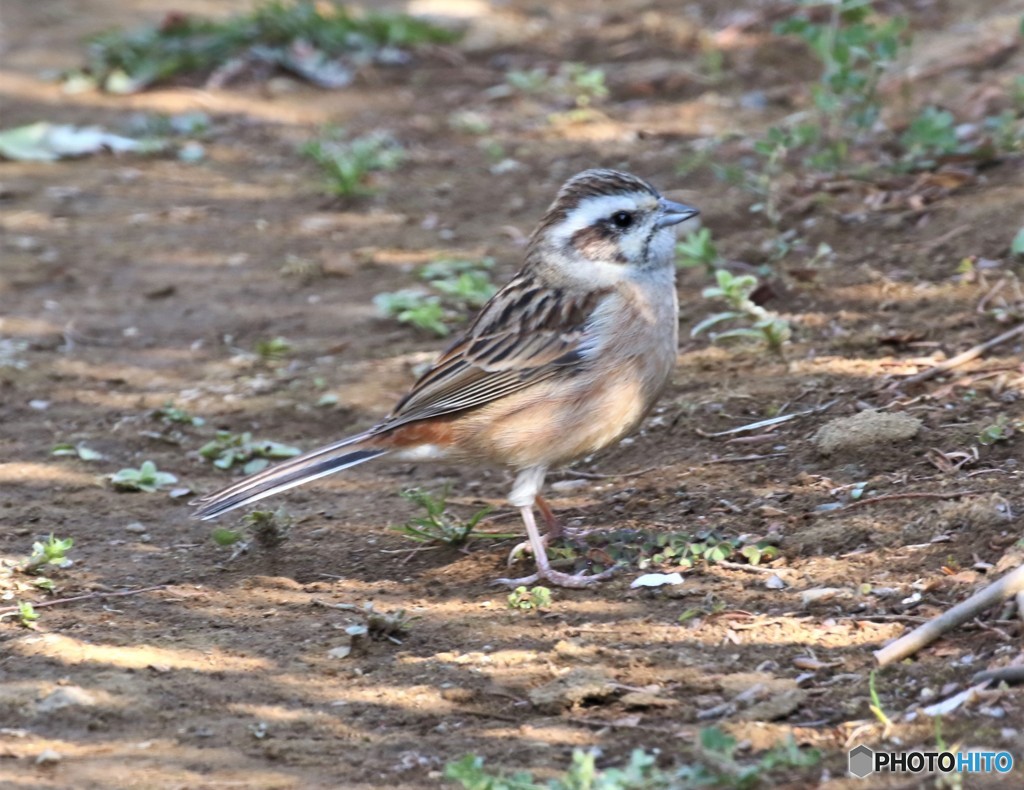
<point>605,222</point>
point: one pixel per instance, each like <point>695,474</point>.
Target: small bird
<point>563,361</point>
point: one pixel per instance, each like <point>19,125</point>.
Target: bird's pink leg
<point>544,569</point>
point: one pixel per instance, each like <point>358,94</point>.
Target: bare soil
<point>136,281</point>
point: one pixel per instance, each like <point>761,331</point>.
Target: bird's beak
<point>673,213</point>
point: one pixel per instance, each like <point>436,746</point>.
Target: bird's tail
<point>288,474</point>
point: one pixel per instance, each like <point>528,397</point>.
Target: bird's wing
<point>526,334</point>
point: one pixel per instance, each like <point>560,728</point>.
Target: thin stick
<point>739,566</point>
<point>1010,675</point>
<point>739,459</point>
<point>86,597</point>
<point>972,353</point>
<point>907,645</point>
<point>620,725</point>
<point>596,476</point>
<point>908,495</point>
<point>753,426</point>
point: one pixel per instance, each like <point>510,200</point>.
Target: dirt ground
<point>129,282</point>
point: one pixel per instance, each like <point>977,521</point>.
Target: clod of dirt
<point>644,699</point>
<point>866,429</point>
<point>573,688</point>
<point>65,697</point>
<point>775,707</point>
<point>974,514</point>
<point>977,513</point>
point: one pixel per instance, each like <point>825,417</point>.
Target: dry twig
<point>908,644</point>
<point>739,459</point>
<point>87,597</point>
<point>960,359</point>
<point>908,495</point>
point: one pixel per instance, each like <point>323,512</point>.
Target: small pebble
<point>49,757</point>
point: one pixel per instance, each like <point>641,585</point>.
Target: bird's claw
<point>559,579</point>
<point>520,548</point>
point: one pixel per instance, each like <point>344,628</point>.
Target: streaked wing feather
<point>526,334</point>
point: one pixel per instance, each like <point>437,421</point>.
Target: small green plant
<point>932,134</point>
<point>683,550</point>
<point>458,286</point>
<point>266,529</point>
<point>586,85</point>
<point>472,289</point>
<point>229,449</point>
<point>875,704</point>
<point>855,47</point>
<point>696,250</point>
<point>573,83</point>
<point>999,431</point>
<point>318,40</point>
<point>534,80</point>
<point>469,122</point>
<point>421,310</point>
<point>640,773</point>
<point>1017,245</point>
<point>66,449</point>
<point>347,164</point>
<point>529,599</point>
<point>269,529</point>
<point>146,478</point>
<point>171,413</point>
<point>52,551</point>
<point>272,349</point>
<point>439,524</point>
<point>27,614</point>
<point>386,625</point>
<point>715,765</point>
<point>463,284</point>
<point>736,291</point>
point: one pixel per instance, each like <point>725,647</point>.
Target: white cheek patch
<point>632,244</point>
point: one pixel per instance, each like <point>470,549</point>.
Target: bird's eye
<point>622,219</point>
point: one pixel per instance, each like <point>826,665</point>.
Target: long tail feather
<point>288,474</point>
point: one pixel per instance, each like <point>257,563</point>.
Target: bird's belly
<point>550,426</point>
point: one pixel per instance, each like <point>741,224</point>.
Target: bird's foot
<point>523,547</point>
<point>559,579</point>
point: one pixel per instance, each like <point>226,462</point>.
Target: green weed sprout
<point>855,47</point>
<point>697,249</point>
<point>171,413</point>
<point>267,529</point>
<point>931,134</point>
<point>127,61</point>
<point>228,449</point>
<point>347,164</point>
<point>438,524</point>
<point>421,310</point>
<point>457,287</point>
<point>529,599</point>
<point>27,614</point>
<point>715,765</point>
<point>146,478</point>
<point>52,551</point>
<point>273,349</point>
<point>736,290</point>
